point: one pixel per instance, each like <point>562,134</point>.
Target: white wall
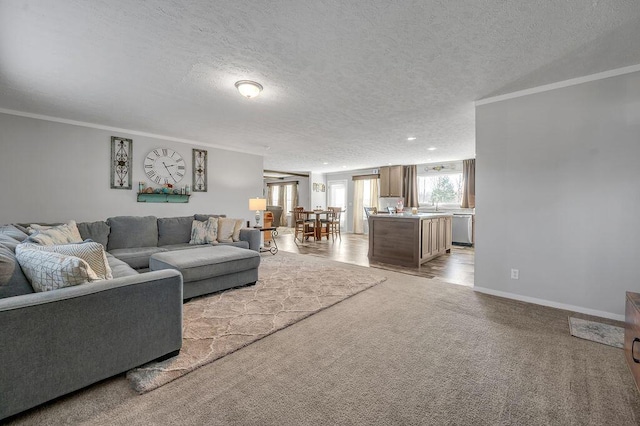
<point>558,196</point>
<point>52,171</point>
<point>318,198</point>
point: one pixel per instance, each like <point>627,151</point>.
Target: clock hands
<point>169,171</point>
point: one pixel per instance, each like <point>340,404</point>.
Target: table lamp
<point>257,204</point>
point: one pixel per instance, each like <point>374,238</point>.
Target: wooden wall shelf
<point>163,198</point>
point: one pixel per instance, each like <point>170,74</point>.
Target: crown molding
<point>120,130</point>
<point>560,84</point>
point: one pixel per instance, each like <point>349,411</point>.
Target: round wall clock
<point>164,165</point>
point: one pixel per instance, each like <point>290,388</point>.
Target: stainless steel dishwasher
<point>462,229</point>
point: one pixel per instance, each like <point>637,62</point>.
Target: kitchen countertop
<point>412,216</point>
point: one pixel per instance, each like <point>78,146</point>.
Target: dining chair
<point>333,224</point>
<point>370,210</point>
<point>303,225</point>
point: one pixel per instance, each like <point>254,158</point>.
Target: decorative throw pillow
<point>204,232</point>
<point>236,230</point>
<point>61,234</point>
<point>225,230</point>
<point>91,252</point>
<point>50,271</point>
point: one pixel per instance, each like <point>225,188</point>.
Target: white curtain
<point>373,194</point>
<point>287,198</point>
<point>358,208</point>
<point>359,186</point>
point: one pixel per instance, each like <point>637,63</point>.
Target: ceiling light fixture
<point>325,163</point>
<point>411,138</point>
<point>431,149</point>
<point>248,89</point>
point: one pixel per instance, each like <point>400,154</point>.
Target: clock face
<point>163,165</point>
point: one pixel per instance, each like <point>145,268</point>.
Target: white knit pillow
<point>91,252</point>
<point>50,271</point>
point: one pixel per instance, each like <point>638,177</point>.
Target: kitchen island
<point>409,239</point>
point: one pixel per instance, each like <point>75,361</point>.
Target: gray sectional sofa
<point>59,341</point>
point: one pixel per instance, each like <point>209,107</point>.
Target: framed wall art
<point>121,157</point>
<point>199,170</point>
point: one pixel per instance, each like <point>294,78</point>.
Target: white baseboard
<point>543,302</point>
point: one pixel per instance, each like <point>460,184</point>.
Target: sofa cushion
<point>174,230</point>
<point>183,246</point>
<point>119,268</point>
<point>132,231</point>
<point>13,282</point>
<point>9,242</point>
<point>96,231</point>
<point>91,252</point>
<point>229,230</point>
<point>137,257</point>
<point>48,270</point>
<point>203,217</point>
<point>13,232</point>
<point>205,232</point>
<point>241,244</point>
<point>60,234</point>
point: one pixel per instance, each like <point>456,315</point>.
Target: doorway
<point>337,197</point>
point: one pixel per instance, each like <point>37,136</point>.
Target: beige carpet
<point>289,289</point>
<point>409,351</point>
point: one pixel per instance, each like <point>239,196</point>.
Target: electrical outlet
<point>515,274</point>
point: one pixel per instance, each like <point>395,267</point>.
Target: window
<point>288,197</point>
<point>439,189</point>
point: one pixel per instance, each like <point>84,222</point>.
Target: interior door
<point>337,197</point>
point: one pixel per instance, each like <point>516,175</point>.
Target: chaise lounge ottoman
<point>209,269</point>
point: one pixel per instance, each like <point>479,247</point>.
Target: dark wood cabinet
<point>391,181</point>
<point>632,335</point>
<point>408,240</point>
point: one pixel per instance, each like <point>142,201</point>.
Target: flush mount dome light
<point>248,89</point>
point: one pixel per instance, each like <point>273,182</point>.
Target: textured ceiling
<point>346,82</point>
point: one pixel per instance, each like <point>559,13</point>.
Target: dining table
<point>318,228</point>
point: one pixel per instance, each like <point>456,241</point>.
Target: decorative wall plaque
<point>199,170</point>
<point>121,157</point>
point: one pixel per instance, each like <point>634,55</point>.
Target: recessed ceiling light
<point>248,89</point>
<point>325,163</point>
<point>344,167</point>
<point>431,149</point>
<point>411,138</point>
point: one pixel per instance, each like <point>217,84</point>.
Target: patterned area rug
<point>597,332</point>
<point>289,289</point>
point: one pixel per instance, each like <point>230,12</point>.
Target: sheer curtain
<point>468,184</point>
<point>270,195</point>
<point>358,208</point>
<point>373,192</point>
<point>365,192</point>
<point>287,198</point>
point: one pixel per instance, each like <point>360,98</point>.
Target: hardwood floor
<point>456,267</point>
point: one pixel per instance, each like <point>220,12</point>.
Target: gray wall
<point>558,196</point>
<point>52,171</point>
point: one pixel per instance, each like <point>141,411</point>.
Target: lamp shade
<point>257,204</point>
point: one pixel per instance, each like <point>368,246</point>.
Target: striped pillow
<point>91,252</point>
